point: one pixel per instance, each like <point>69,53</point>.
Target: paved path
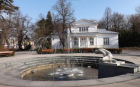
<point>127,55</point>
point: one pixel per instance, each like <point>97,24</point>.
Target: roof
<point>90,21</point>
<point>64,32</point>
<point>105,31</point>
<point>101,31</point>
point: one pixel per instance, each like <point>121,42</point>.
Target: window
<point>91,41</point>
<point>83,29</point>
<point>75,41</point>
<point>80,29</point>
<point>86,28</point>
<point>106,41</point>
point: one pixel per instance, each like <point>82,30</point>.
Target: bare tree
<point>138,10</point>
<point>21,27</point>
<point>101,24</point>
<point>117,21</point>
<point>135,19</point>
<point>6,26</point>
<point>64,16</point>
<point>107,18</point>
<point>105,22</point>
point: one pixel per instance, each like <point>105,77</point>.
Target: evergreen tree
<point>44,29</point>
<point>49,24</point>
<point>134,35</point>
<point>41,30</point>
<point>7,6</point>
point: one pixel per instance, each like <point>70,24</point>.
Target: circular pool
<point>64,68</point>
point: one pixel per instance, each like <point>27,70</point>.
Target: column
<point>96,41</point>
<point>79,42</point>
<point>87,42</point>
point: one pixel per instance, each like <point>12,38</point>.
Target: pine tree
<point>49,24</point>
<point>41,30</point>
<point>50,28</point>
<point>6,6</point>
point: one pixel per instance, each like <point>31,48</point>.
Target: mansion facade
<point>85,34</point>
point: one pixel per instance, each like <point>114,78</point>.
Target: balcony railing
<point>77,31</point>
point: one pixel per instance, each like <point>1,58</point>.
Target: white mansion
<point>84,34</point>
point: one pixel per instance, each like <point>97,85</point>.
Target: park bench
<point>47,50</point>
<point>6,53</point>
<point>66,50</point>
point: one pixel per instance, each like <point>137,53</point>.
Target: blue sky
<point>88,9</point>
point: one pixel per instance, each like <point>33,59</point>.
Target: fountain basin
<point>10,70</point>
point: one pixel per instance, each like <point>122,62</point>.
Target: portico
<point>83,41</point>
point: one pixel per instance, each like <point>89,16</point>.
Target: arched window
<point>75,41</point>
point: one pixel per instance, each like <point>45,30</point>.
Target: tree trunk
<point>19,44</point>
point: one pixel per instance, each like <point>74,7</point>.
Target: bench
<point>66,50</point>
<point>6,53</point>
<point>47,50</point>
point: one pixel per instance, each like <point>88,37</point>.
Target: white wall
<point>56,42</point>
<point>92,27</point>
<point>113,40</point>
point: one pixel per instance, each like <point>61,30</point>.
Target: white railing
<point>77,31</point>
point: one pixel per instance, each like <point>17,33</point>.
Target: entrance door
<point>83,42</point>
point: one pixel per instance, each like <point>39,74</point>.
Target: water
<point>63,74</point>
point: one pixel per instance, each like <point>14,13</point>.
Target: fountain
<point>74,68</point>
<point>108,57</point>
<point>109,67</point>
<point>70,69</point>
<point>65,68</point>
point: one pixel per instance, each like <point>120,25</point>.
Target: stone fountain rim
<point>9,81</point>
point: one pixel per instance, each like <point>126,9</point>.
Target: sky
<point>87,9</point>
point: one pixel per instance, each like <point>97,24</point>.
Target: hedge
<point>83,50</point>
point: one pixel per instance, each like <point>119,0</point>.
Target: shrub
<point>28,47</point>
<point>119,51</point>
<point>78,50</point>
<point>88,50</point>
<point>13,53</point>
<point>115,50</point>
<point>39,51</point>
<point>95,49</point>
<point>59,51</point>
<point>68,50</point>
